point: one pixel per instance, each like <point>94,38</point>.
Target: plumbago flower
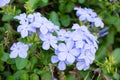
<point>48,40</point>
<point>32,22</point>
<point>19,49</point>
<point>80,46</point>
<point>88,15</point>
<point>76,45</point>
<point>4,2</point>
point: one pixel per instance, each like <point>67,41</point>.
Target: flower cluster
<point>88,15</point>
<point>4,2</point>
<point>29,24</point>
<point>79,45</point>
<point>19,49</point>
<point>76,45</point>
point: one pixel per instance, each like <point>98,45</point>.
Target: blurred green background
<point>37,66</point>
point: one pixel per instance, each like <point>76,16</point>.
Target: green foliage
<point>61,13</point>
<point>54,18</point>
<point>20,63</point>
<point>116,55</point>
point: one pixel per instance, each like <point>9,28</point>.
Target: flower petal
<point>62,56</point>
<point>23,54</point>
<point>75,52</point>
<point>54,59</point>
<point>69,44</point>
<point>45,45</point>
<point>24,33</point>
<point>61,66</point>
<point>70,58</point>
<point>80,65</point>
<point>13,54</point>
<point>54,45</point>
<point>62,47</point>
<point>43,29</point>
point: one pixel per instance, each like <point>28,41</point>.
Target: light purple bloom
<point>98,22</point>
<point>4,2</point>
<point>61,34</point>
<point>67,52</point>
<point>79,45</point>
<point>81,65</point>
<point>22,18</point>
<point>88,15</point>
<point>48,40</point>
<point>19,49</point>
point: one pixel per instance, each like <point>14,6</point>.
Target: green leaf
<point>1,50</point>
<point>116,55</point>
<point>43,3</point>
<point>10,78</point>
<point>65,20</point>
<point>5,57</point>
<point>2,66</point>
<point>46,76</point>
<point>24,76</point>
<point>20,63</point>
<point>62,8</point>
<point>71,77</point>
<point>116,76</point>
<point>7,17</point>
<point>69,7</point>
<point>18,74</point>
<point>81,1</point>
<point>54,18</point>
<point>34,77</point>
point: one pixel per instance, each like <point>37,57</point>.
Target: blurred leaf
<point>101,53</point>
<point>116,55</point>
<point>116,76</point>
<point>2,66</point>
<point>10,78</point>
<point>22,1</point>
<point>34,77</point>
<point>20,63</point>
<point>70,77</point>
<point>5,57</point>
<point>62,7</point>
<point>7,17</point>
<point>6,73</point>
<point>43,3</point>
<point>113,20</point>
<point>54,18</point>
<point>18,74</point>
<point>65,20</point>
<point>69,7</point>
<point>81,1</point>
<point>46,76</point>
<point>24,76</point>
<point>1,50</point>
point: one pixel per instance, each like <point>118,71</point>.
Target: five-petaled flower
<point>19,49</point>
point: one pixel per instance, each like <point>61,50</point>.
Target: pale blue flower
<point>42,23</point>
<point>23,29</point>
<point>67,52</point>
<point>22,18</point>
<point>19,49</point>
<point>61,34</point>
<point>98,22</point>
<point>48,40</point>
<point>81,65</point>
<point>88,15</point>
<point>4,2</point>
